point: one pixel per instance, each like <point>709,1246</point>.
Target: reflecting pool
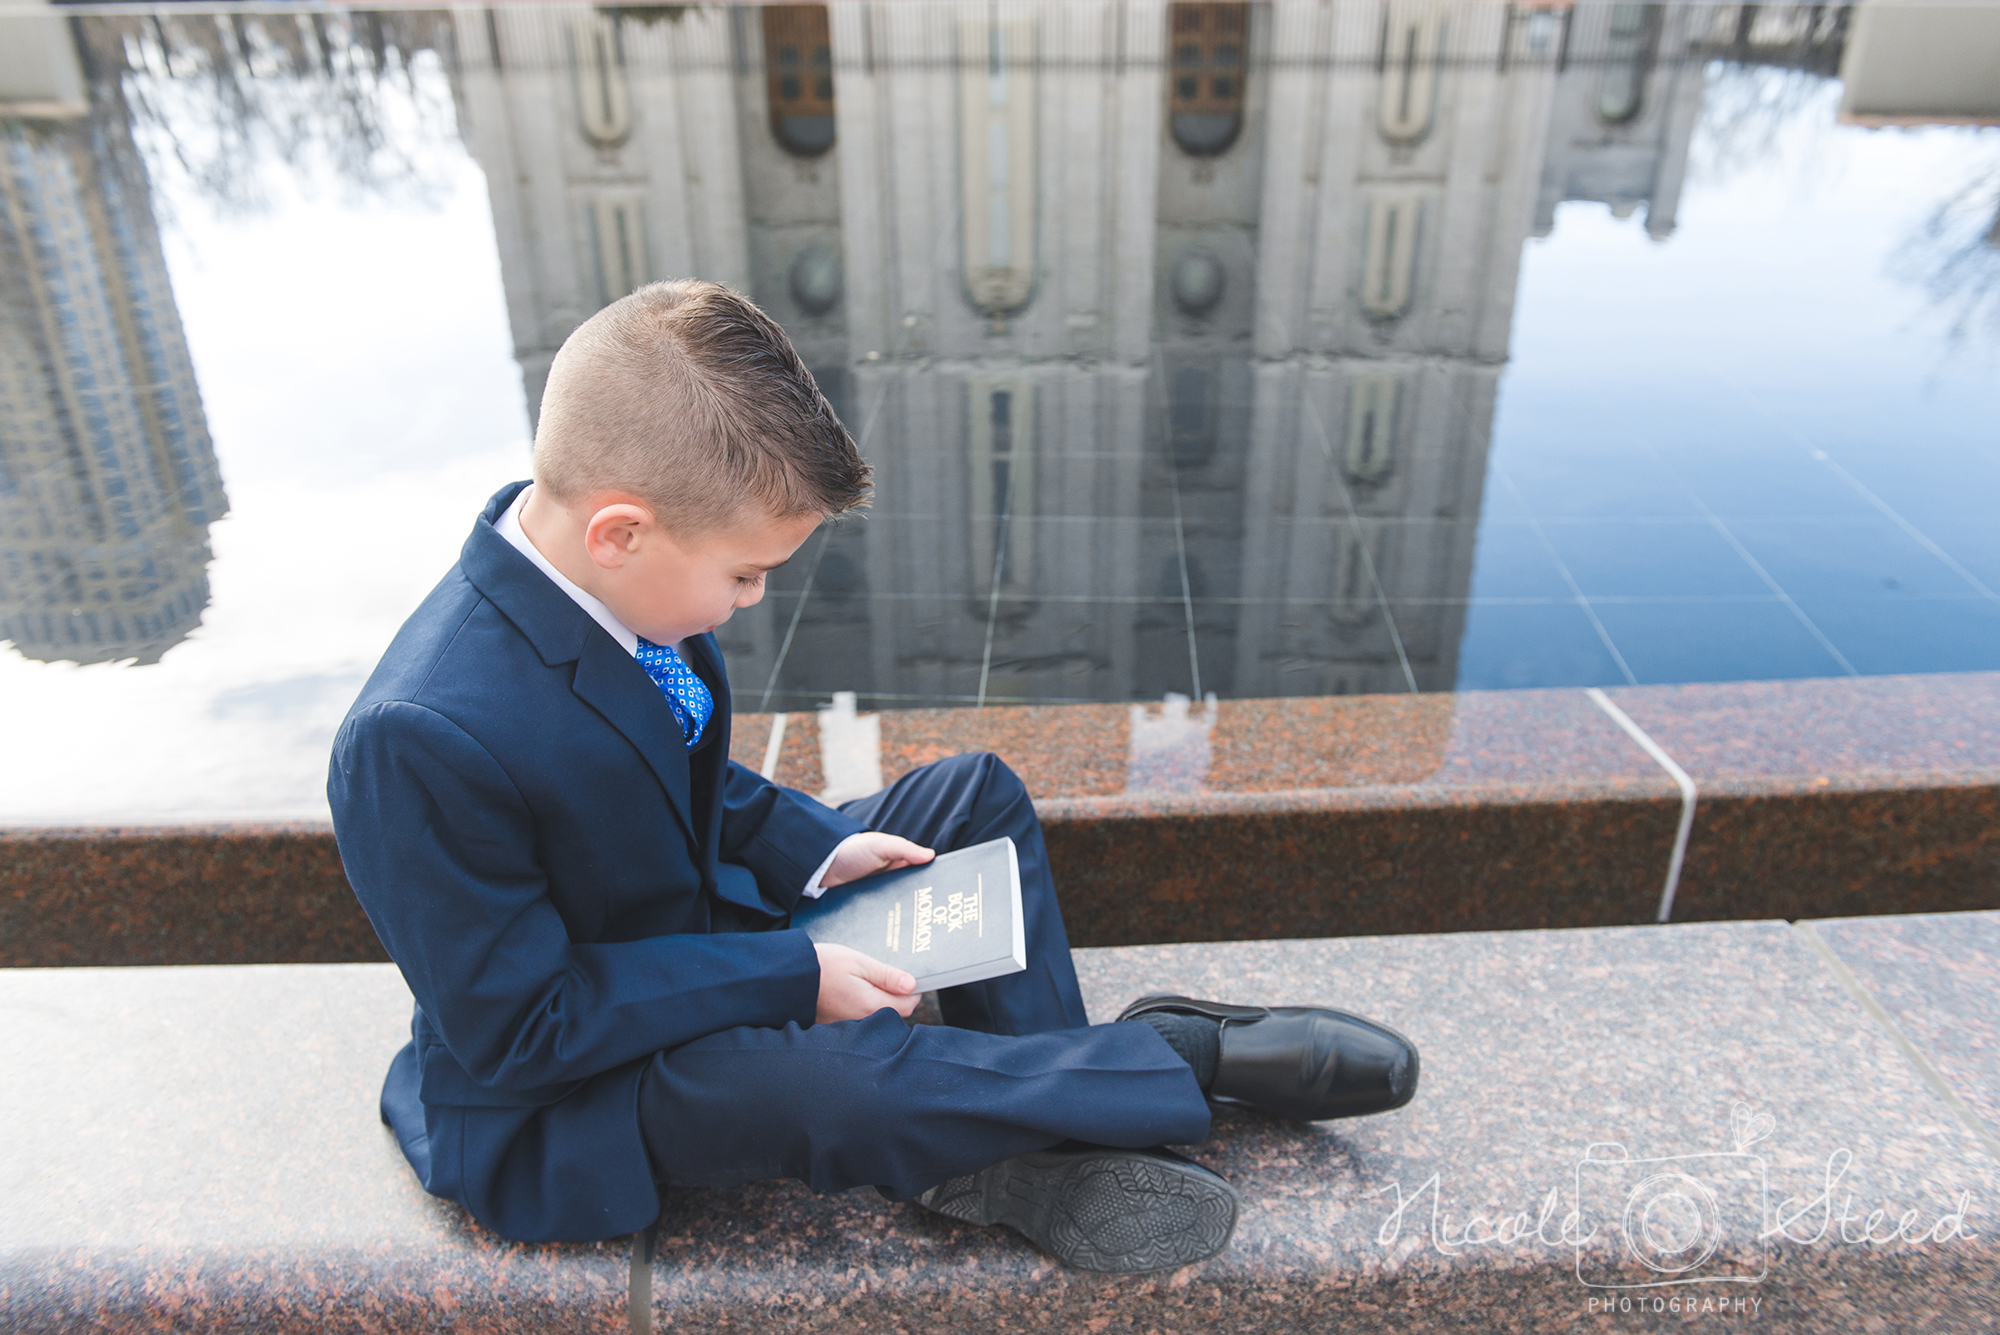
<point>1233,349</point>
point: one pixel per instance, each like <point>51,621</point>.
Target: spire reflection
<point>108,479</point>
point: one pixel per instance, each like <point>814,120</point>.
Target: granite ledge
<point>1372,797</point>
<point>190,1148</point>
<point>1259,819</point>
<point>1810,785</point>
<point>213,829</point>
<point>1937,977</point>
<point>219,894</point>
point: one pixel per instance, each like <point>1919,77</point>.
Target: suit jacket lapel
<point>705,658</point>
<point>607,678</point>
<point>612,683</point>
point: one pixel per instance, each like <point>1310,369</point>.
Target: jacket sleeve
<point>440,848</point>
<point>780,834</point>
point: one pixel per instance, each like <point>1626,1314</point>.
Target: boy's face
<point>667,589</point>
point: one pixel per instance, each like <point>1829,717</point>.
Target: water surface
<point>1200,349</point>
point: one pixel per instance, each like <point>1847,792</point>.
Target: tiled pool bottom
<point>1782,564</point>
<point>1260,819</point>
<point>1723,555</point>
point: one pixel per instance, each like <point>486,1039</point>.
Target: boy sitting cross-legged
<point>535,804</point>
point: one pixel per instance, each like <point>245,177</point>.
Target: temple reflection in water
<point>108,480</point>
<point>1174,330</point>
<point>1176,356</point>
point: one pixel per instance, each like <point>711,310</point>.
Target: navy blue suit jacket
<point>563,884</point>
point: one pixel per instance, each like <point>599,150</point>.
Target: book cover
<point>956,919</point>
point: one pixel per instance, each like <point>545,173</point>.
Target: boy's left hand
<point>871,851</point>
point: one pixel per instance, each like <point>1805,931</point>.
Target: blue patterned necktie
<point>686,694</point>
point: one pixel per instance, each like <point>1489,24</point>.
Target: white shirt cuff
<point>813,888</point>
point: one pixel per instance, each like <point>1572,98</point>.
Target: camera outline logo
<point>1677,1216</point>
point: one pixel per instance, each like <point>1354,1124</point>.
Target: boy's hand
<point>871,851</point>
<point>853,986</point>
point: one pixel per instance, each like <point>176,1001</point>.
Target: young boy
<point>535,805</point>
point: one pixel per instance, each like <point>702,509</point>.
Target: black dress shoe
<point>1308,1063</point>
<point>1126,1211</point>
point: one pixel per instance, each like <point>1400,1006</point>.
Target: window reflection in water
<point>1209,47</point>
<point>603,101</point>
<point>798,60</point>
<point>1412,45</point>
<point>1628,57</point>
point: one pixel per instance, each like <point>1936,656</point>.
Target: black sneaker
<point>1126,1211</point>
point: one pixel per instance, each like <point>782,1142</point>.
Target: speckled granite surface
<point>1938,977</point>
<point>1820,851</point>
<point>1140,754</point>
<point>1536,1046</point>
<point>194,1149</point>
<point>1490,810</point>
<point>1265,819</point>
<point>1311,817</point>
<point>1759,736</point>
<point>217,895</point>
<point>161,1176</point>
<point>1831,798</point>
<point>1431,862</point>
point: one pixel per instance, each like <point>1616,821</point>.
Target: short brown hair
<point>686,395</point>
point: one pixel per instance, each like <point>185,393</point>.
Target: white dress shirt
<point>509,527</point>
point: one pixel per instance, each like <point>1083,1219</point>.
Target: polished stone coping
<point>1484,810</point>
<point>1943,726</point>
<point>188,1148</point>
<point>1740,737</point>
<point>215,894</point>
<point>1260,819</point>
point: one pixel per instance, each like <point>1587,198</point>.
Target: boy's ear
<point>613,533</point>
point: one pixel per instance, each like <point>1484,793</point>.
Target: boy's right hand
<point>852,986</point>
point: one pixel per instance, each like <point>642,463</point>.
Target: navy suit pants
<point>880,1103</point>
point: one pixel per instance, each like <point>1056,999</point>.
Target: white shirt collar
<point>509,527</point>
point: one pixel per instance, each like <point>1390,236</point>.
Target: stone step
<point>1263,819</point>
<point>194,1148</point>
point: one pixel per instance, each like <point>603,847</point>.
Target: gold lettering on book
<point>920,933</point>
<point>896,926</point>
<point>961,909</point>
